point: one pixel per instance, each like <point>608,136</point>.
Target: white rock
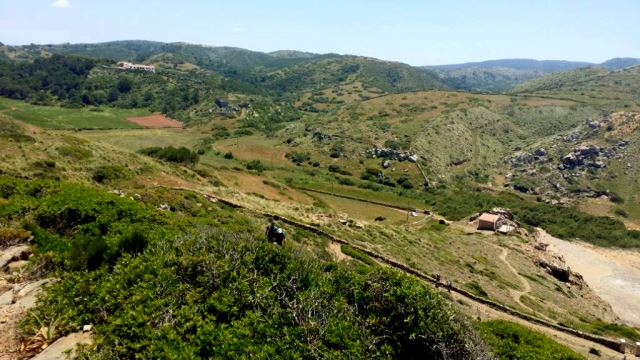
<point>58,350</point>
<point>6,298</point>
<point>13,253</point>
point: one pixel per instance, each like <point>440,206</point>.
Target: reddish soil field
<point>155,121</point>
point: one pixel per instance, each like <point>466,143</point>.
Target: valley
<point>367,165</point>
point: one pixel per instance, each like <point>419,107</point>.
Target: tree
<point>124,85</point>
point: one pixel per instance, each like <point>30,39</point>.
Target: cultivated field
<point>155,121</point>
<point>52,117</point>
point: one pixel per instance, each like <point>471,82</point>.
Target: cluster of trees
<point>58,76</point>
<point>177,155</point>
<point>199,284</point>
<point>66,80</point>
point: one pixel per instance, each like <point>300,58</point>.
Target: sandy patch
<point>613,274</point>
<point>155,121</point>
<point>336,251</point>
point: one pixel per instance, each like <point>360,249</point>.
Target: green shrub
<point>297,157</point>
<point>216,294</point>
<point>475,288</point>
<point>107,173</point>
<point>513,341</point>
<point>172,154</point>
<point>337,169</point>
<point>358,255</point>
<point>256,165</point>
<point>228,155</point>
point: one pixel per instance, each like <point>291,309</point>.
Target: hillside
<point>277,71</point>
<point>375,176</point>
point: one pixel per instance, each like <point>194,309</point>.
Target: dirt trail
<point>614,275</point>
<point>517,294</point>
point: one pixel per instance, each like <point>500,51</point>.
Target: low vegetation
<point>177,155</point>
<point>508,340</point>
<point>157,284</point>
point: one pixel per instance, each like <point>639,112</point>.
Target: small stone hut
<point>488,221</point>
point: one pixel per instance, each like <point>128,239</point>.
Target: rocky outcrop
<point>571,137</point>
<point>521,158</point>
<point>540,152</point>
<point>558,271</point>
<point>586,156</point>
<point>392,154</point>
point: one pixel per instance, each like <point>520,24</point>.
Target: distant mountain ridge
<point>507,74</point>
<point>544,65</point>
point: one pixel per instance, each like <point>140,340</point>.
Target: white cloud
<point>238,29</point>
<point>61,3</point>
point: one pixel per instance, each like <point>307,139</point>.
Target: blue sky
<point>412,31</point>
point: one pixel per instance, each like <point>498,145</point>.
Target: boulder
<point>64,348</point>
<point>540,152</point>
<point>521,158</point>
<point>16,266</point>
<point>571,137</point>
<point>6,298</point>
<point>17,252</point>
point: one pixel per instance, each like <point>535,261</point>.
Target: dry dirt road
<point>613,274</point>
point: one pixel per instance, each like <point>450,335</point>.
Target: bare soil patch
<point>155,121</point>
<point>613,274</point>
<point>336,251</point>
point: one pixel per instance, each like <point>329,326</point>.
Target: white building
<point>129,66</point>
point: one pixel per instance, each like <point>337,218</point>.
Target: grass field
<point>364,211</point>
<point>136,139</point>
<point>270,151</point>
<point>53,117</point>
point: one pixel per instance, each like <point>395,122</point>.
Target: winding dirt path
<point>516,295</point>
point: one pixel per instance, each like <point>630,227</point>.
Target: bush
<point>345,181</point>
<point>235,296</point>
<point>172,154</point>
<point>337,169</point>
<point>513,341</point>
<point>255,165</point>
<point>298,158</point>
<point>168,285</point>
<point>109,173</point>
<point>621,212</point>
<point>228,155</point>
<point>358,255</point>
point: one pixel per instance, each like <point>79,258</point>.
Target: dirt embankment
<point>613,274</point>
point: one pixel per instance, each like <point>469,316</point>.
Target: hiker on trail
<point>274,234</point>
<point>436,276</point>
<point>449,285</point>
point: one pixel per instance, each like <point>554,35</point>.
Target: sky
<point>411,31</point>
